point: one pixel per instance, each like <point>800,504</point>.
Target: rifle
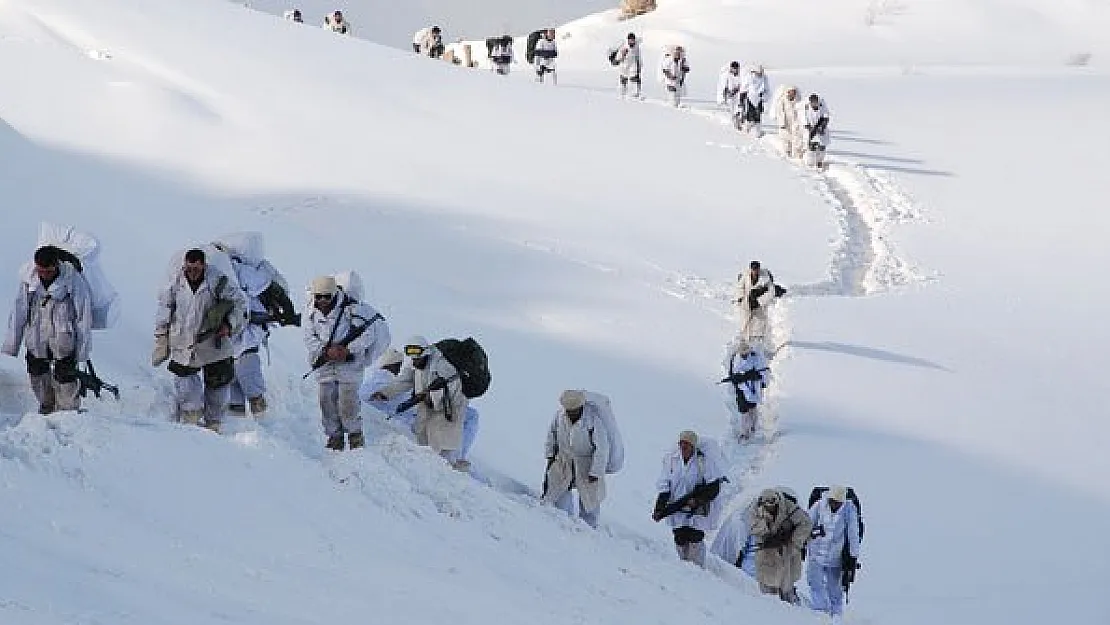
<point>216,315</point>
<point>437,384</point>
<point>352,336</point>
<point>704,491</point>
<point>91,382</point>
<point>751,375</point>
<point>264,318</point>
<point>848,568</point>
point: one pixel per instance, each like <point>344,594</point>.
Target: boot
<point>462,465</point>
<point>335,443</point>
<point>215,426</point>
<point>237,410</point>
<point>355,440</point>
<point>192,417</point>
<point>258,407</point>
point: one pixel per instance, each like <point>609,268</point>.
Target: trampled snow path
<point>867,204</point>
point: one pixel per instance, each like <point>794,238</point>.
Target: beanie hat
<point>324,285</point>
<point>391,357</point>
<point>572,400</point>
<point>838,493</point>
<point>688,436</point>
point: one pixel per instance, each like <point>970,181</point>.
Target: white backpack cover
<point>249,247</point>
<point>105,298</point>
<point>213,256</point>
<point>616,443</point>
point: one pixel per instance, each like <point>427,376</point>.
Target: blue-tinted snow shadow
<point>951,535</point>
<point>867,352</point>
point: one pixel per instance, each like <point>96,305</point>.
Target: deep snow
<point>587,242</point>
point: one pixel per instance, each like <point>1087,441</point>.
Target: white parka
<point>181,311</point>
<point>810,118</point>
<point>754,361</point>
<point>757,87</point>
<point>746,286</point>
<point>678,477</point>
<point>545,53</point>
<point>673,70</point>
<point>836,527</point>
<point>629,61</point>
<point>729,86</point>
<point>364,350</point>
<point>54,321</point>
<point>442,414</point>
<point>577,451</point>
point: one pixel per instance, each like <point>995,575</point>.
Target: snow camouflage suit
<point>825,551</point>
<point>339,381</point>
<point>754,324</point>
<point>576,451</point>
<point>439,419</point>
<point>55,325</point>
<point>780,537</point>
<point>679,477</point>
<point>180,314</point>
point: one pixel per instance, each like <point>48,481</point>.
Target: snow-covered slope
<point>586,242</point>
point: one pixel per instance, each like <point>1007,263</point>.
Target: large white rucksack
<point>86,249</point>
<point>616,443</point>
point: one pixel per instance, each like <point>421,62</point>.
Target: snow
<point>943,342</point>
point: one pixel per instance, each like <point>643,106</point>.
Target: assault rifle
<point>751,375</point>
<point>437,384</point>
<point>352,336</point>
<point>216,315</point>
<point>699,496</point>
<point>91,382</point>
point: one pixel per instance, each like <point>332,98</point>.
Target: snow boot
<point>237,410</point>
<point>258,407</point>
<point>355,440</point>
<point>191,417</point>
<point>335,443</point>
<point>461,465</point>
<point>215,426</point>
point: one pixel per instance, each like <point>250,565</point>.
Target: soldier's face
<point>687,449</point>
<point>194,272</point>
<point>46,274</point>
<point>834,505</point>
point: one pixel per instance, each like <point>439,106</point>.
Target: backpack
<point>616,443</point>
<point>470,360</point>
<point>779,290</point>
<point>82,251</point>
<point>530,47</point>
<point>818,491</point>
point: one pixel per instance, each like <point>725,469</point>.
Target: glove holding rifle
<point>694,502</point>
<point>337,351</point>
<point>438,384</point>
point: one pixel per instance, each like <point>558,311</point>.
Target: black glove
<point>660,505</point>
<point>753,303</point>
<point>851,564</point>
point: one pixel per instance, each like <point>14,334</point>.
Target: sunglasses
<point>320,297</point>
<point>413,350</point>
